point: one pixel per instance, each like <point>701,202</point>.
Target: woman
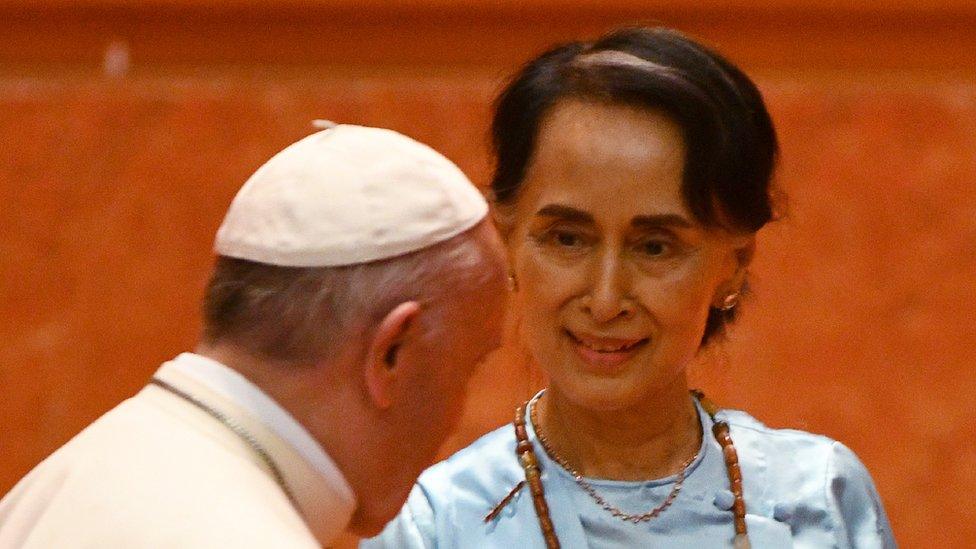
<point>633,174</point>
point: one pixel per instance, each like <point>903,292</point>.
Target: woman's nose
<point>609,295</point>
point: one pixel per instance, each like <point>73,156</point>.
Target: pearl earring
<point>730,302</point>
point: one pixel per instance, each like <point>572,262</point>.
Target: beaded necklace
<point>530,464</point>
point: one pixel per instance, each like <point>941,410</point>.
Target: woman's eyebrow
<point>568,213</point>
<point>660,220</point>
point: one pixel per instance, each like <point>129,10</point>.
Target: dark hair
<point>729,137</point>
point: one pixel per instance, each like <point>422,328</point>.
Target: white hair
<point>307,314</point>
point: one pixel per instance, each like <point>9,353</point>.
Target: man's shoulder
<point>140,441</point>
<point>136,475</point>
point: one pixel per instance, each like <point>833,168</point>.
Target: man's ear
<point>382,373</point>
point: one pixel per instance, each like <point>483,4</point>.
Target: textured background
<point>113,181</point>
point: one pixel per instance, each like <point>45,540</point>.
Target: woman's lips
<point>604,353</point>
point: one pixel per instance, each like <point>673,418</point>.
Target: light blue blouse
<point>801,490</point>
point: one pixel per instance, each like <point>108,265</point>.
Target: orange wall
<point>111,189</point>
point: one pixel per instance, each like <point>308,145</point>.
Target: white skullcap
<point>348,195</point>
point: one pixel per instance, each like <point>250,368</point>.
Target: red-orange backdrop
<point>114,174</point>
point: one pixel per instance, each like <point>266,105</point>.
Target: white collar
<point>234,387</point>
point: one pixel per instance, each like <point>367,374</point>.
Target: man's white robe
<point>157,471</point>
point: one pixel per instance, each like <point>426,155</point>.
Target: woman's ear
<point>383,353</point>
<point>744,247</point>
<point>503,219</point>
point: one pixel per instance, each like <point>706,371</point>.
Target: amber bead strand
<point>720,429</point>
<point>531,466</point>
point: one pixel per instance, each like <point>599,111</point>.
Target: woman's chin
<point>598,392</point>
<point>629,385</point>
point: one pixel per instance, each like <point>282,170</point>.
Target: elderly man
<point>357,285</point>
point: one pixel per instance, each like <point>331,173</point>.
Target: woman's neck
<point>647,441</point>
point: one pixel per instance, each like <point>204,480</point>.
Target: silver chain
<point>237,429</point>
<point>588,488</point>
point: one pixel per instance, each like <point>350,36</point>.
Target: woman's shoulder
<point>784,443</point>
<point>486,469</point>
<point>790,453</point>
<point>806,478</point>
<point>749,428</point>
<point>467,484</point>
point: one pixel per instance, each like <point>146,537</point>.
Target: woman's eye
<point>567,239</point>
<point>560,240</point>
<point>654,248</point>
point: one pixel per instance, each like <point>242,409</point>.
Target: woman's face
<point>614,276</point>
